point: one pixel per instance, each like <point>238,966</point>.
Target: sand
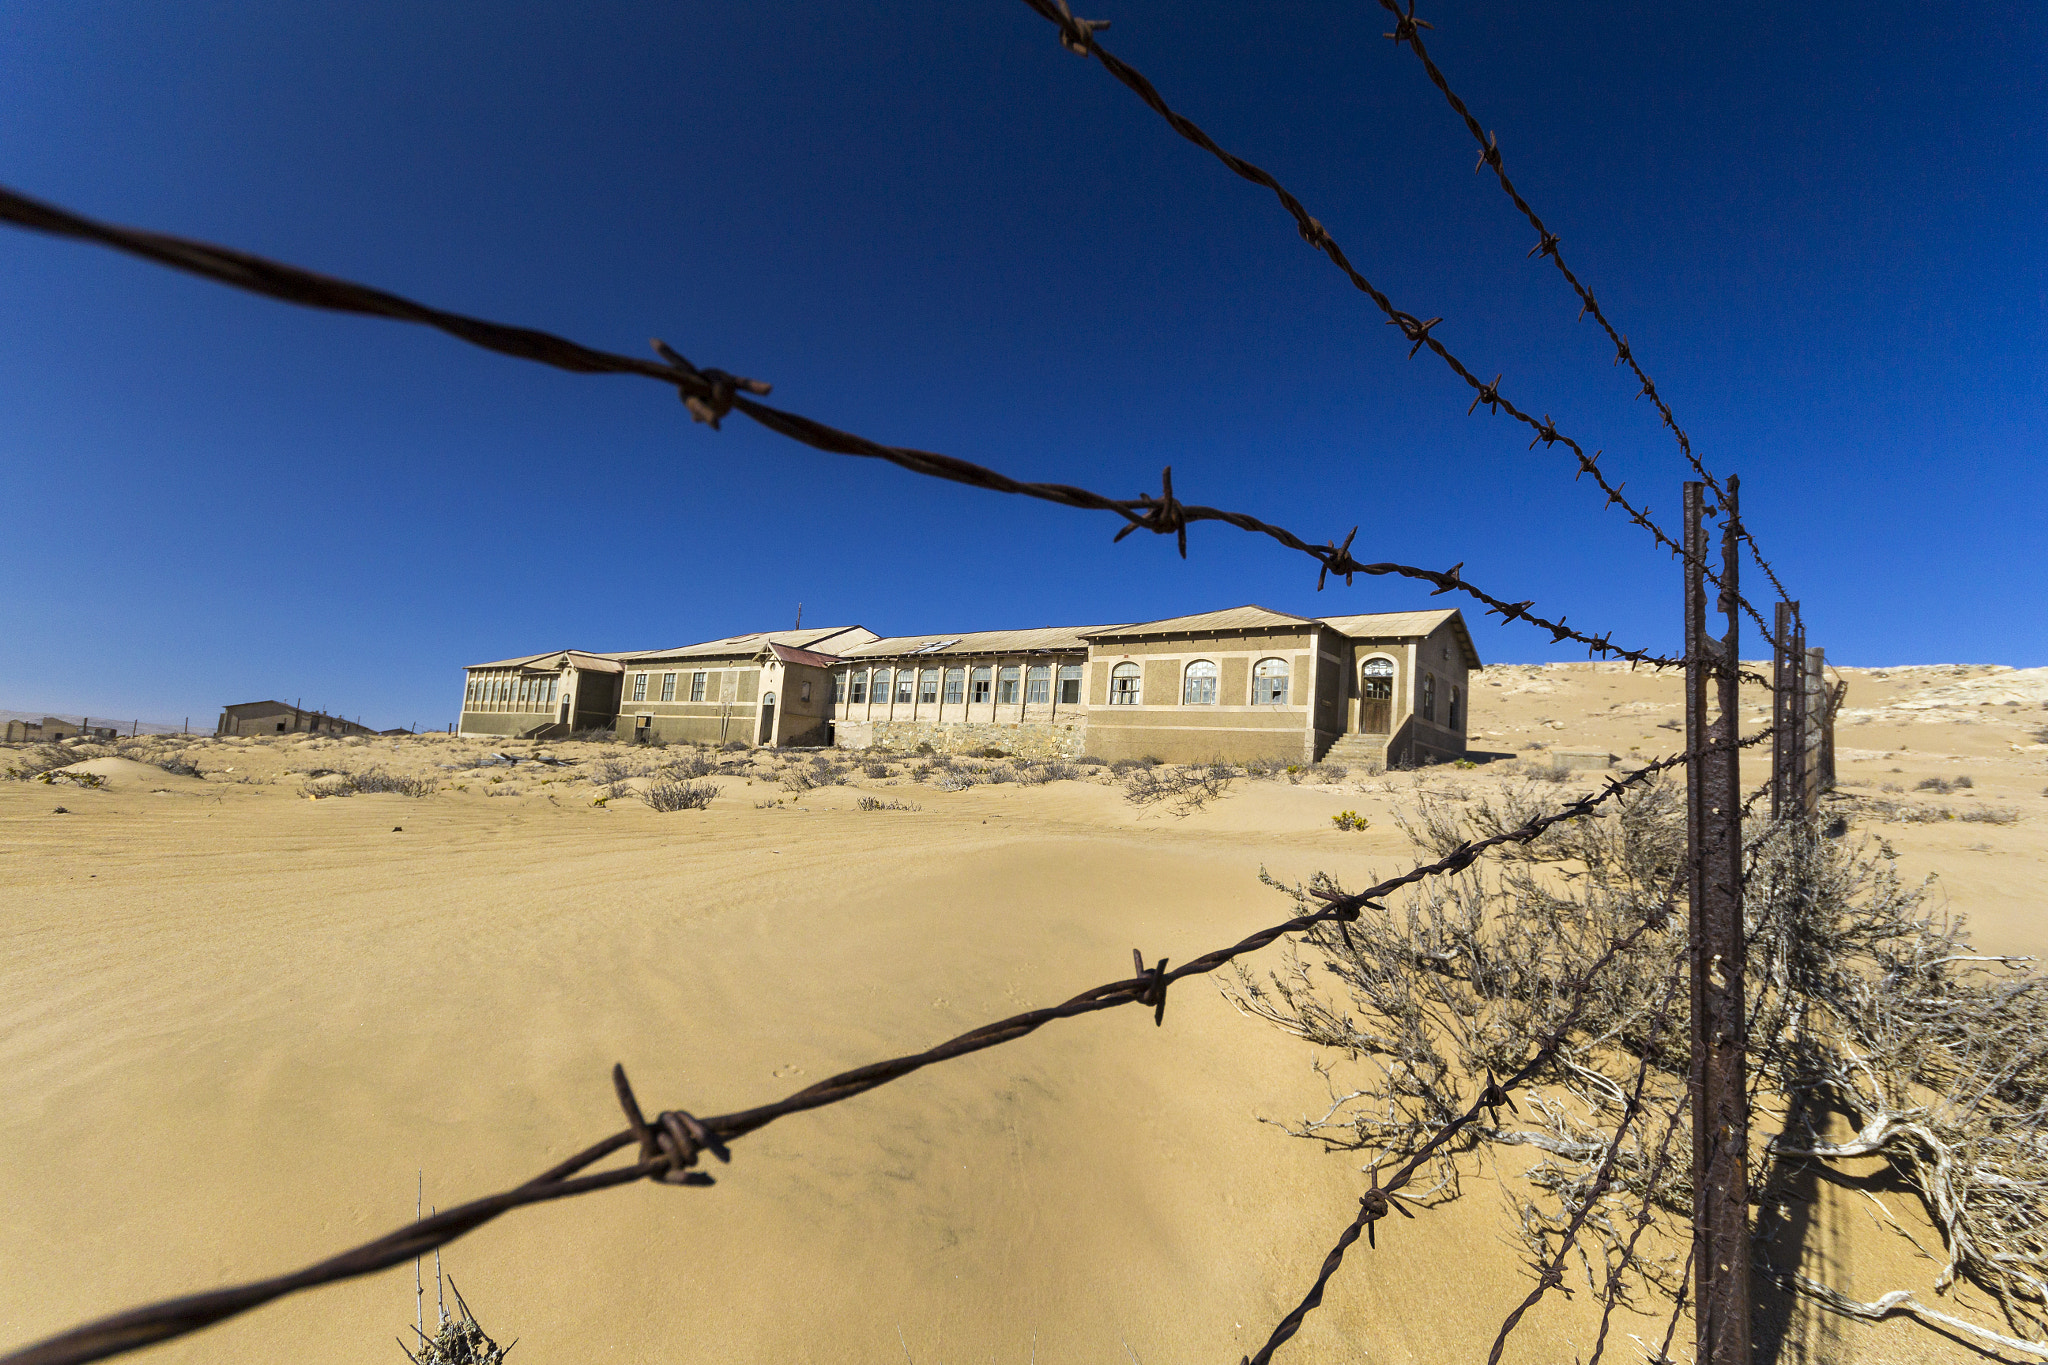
<point>237,1021</point>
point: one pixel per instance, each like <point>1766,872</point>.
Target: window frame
<point>1038,685</point>
<point>928,687</point>
<point>1429,697</point>
<point>981,685</point>
<point>1126,684</point>
<point>668,687</point>
<point>839,682</point>
<point>1009,684</point>
<point>857,686</point>
<point>1285,679</point>
<point>1069,688</point>
<point>956,686</point>
<point>1189,677</point>
<point>906,685</point>
<point>1366,677</point>
<point>639,687</point>
<point>881,683</point>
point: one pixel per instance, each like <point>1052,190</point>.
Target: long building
<point>1238,684</point>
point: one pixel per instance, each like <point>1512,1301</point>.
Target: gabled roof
<point>1233,618</point>
<point>1405,625</point>
<point>789,654</point>
<point>579,658</point>
<point>1040,640</point>
<point>822,640</point>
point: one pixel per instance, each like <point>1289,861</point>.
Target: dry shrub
<point>325,782</point>
<point>1865,1004</point>
<point>1183,790</point>
<point>674,796</point>
<point>876,803</point>
<point>875,768</point>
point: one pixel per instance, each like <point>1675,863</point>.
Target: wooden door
<point>1376,697</point>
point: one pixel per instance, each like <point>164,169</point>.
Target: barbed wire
<point>1078,36</point>
<point>711,394</point>
<point>669,1145</point>
<point>1408,32</point>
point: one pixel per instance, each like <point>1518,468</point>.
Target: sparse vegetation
<point>326,782</point>
<point>876,803</point>
<point>674,796</point>
<point>1183,790</point>
<point>1350,820</point>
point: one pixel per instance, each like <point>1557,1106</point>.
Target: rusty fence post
<point>1720,1103</point>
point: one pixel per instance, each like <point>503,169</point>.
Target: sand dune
<point>236,1022</point>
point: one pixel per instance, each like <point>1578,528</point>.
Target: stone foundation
<point>1031,739</point>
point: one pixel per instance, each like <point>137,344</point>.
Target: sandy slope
<point>235,1022</point>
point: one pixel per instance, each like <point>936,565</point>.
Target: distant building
<point>282,718</point>
<point>1237,684</point>
<point>56,727</point>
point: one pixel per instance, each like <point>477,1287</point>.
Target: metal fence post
<point>1720,1103</point>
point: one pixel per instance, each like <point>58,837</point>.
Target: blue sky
<point>930,224</point>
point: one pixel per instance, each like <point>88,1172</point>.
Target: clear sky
<point>1820,226</point>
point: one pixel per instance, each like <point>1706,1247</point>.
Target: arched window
<point>956,683</point>
<point>1377,680</point>
<point>1269,682</point>
<point>1006,685</point>
<point>1455,719</point>
<point>1038,685</point>
<point>1123,685</point>
<point>981,681</point>
<point>1429,697</point>
<point>928,686</point>
<point>1198,685</point>
<point>905,679</point>
<point>839,687</point>
<point>881,693</point>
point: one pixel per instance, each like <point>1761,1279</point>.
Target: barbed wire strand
<point>1408,32</point>
<point>1078,36</point>
<point>710,394</point>
<point>671,1143</point>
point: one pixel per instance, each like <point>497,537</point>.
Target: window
<point>804,692</point>
<point>882,676</point>
<point>838,687</point>
<point>1006,685</point>
<point>1123,685</point>
<point>696,687</point>
<point>860,686</point>
<point>981,681</point>
<point>639,687</point>
<point>469,691</point>
<point>1377,678</point>
<point>1429,697</point>
<point>928,686</point>
<point>1452,718</point>
<point>1038,684</point>
<point>956,686</point>
<point>1070,684</point>
<point>1269,682</point>
<point>1199,686</point>
<point>524,685</point>
<point>905,680</point>
<point>668,687</point>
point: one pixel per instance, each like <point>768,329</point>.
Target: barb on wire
<point>711,394</point>
<point>668,1146</point>
<point>1406,33</point>
<point>1313,232</point>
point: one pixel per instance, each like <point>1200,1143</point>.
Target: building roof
<point>741,646</point>
<point>1404,625</point>
<point>1248,617</point>
<point>790,654</point>
<point>1041,640</point>
<point>580,658</point>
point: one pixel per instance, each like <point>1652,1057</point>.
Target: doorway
<point>1376,697</point>
<point>767,719</point>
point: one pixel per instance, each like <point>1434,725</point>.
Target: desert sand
<point>236,1021</point>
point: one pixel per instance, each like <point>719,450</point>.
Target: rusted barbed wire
<point>1408,32</point>
<point>1078,36</point>
<point>711,394</point>
<point>671,1143</point>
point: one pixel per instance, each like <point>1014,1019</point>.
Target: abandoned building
<point>1238,684</point>
<point>282,718</point>
<point>51,728</point>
